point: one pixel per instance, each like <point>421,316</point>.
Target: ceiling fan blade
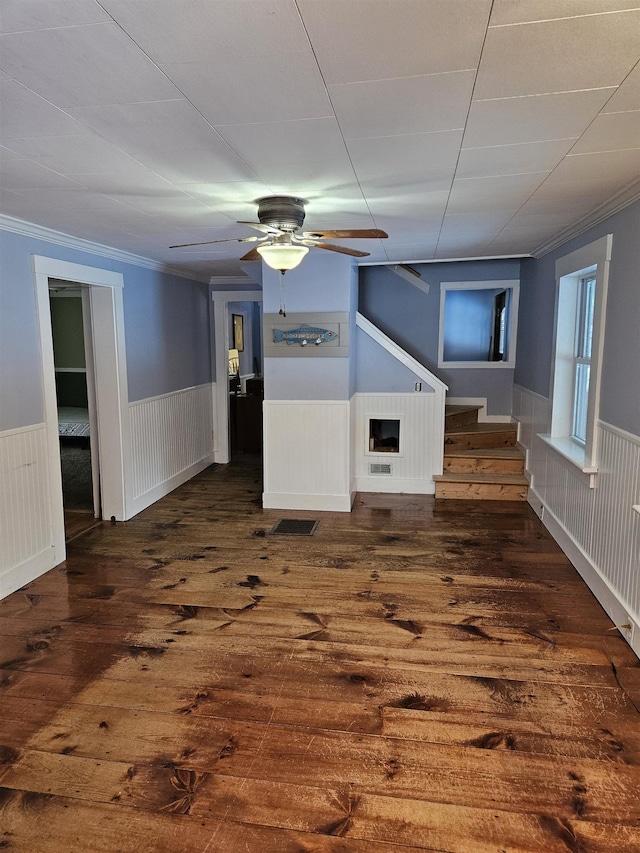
<point>252,255</point>
<point>342,249</point>
<point>228,240</point>
<point>357,233</point>
<point>267,229</point>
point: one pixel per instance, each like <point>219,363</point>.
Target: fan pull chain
<point>282,311</point>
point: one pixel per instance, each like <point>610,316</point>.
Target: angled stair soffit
<point>399,354</point>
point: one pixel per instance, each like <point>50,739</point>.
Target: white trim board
<point>107,321</point>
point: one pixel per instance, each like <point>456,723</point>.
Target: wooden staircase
<point>481,461</point>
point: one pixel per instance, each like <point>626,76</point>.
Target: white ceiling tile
<point>74,66</point>
<point>17,173</point>
<point>610,132</point>
<point>171,125</point>
<point>236,199</point>
<point>24,15</point>
<point>145,174</point>
<point>627,96</point>
<point>171,207</point>
<point>511,121</point>
<point>168,136</point>
<point>506,12</point>
<point>554,200</point>
<point>558,56</point>
<point>462,247</point>
<point>71,154</point>
<point>403,39</point>
<point>194,30</point>
<point>23,113</point>
<point>504,192</point>
<point>408,105</point>
<point>512,159</point>
<point>284,152</point>
<point>215,164</point>
<point>605,171</point>
<point>387,159</point>
<point>417,206</point>
<point>412,250</point>
<point>251,89</point>
<point>136,178</point>
<point>470,228</point>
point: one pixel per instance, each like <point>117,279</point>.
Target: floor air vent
<point>379,468</point>
<point>295,527</point>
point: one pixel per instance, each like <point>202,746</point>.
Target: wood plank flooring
<point>413,677</point>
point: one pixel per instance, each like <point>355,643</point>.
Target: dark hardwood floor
<point>414,676</point>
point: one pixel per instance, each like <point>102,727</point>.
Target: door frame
<point>107,336</point>
<point>220,300</point>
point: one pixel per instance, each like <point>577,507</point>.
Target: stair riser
<point>460,419</point>
<point>474,465</point>
<point>478,441</point>
<point>481,492</point>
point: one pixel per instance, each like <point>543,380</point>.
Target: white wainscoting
<point>596,527</point>
<point>421,418</point>
<point>26,532</point>
<point>171,441</point>
<point>307,454</point>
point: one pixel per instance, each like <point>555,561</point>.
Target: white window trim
<point>510,284</point>
<point>570,269</point>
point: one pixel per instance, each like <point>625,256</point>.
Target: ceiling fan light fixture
<point>282,257</point>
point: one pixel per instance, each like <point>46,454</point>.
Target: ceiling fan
<point>283,245</point>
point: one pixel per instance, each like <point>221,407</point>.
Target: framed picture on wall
<point>238,332</point>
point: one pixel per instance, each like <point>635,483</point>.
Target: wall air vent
<point>380,468</point>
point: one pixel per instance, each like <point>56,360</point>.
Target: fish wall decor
<point>304,335</point>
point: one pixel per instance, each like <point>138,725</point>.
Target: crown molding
<point>41,232</point>
<point>617,202</point>
<point>226,282</point>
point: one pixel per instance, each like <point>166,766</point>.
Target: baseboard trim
<point>18,576</point>
<point>145,500</point>
<point>391,485</point>
<point>615,609</point>
<point>317,503</point>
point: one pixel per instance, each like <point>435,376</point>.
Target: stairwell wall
<point>410,317</point>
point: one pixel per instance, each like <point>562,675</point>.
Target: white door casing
<point>109,356</point>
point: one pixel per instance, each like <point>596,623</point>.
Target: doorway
<point>222,323</point>
<point>246,383</point>
<point>76,405</point>
<point>103,325</point>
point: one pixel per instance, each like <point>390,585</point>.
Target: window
<point>581,292</point>
<point>478,322</point>
<point>582,359</point>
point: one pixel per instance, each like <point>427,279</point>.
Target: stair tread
<point>485,477</point>
<point>476,429</point>
<point>486,452</point>
<point>457,410</point>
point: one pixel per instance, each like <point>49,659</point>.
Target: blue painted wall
<point>620,392</point>
<point>378,372</point>
<point>411,318</point>
<point>324,282</point>
<point>166,328</point>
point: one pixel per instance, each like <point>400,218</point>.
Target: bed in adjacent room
<point>73,422</point>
